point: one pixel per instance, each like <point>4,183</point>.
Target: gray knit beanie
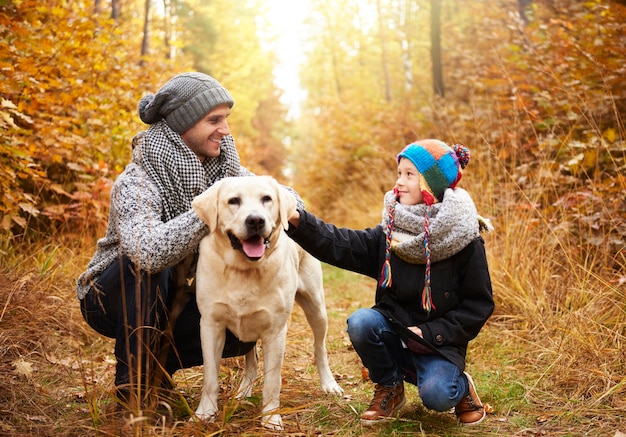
<point>183,101</point>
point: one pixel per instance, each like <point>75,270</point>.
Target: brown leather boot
<point>386,403</point>
<point>470,410</point>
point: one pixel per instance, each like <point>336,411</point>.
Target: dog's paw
<point>332,387</point>
<point>204,416</point>
<point>273,422</point>
<point>244,391</point>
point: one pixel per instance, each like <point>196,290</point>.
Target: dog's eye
<point>266,199</point>
<point>234,201</point>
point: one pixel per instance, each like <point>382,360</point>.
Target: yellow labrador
<point>249,274</point>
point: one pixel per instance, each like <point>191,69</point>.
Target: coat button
<point>439,338</point>
<point>446,295</point>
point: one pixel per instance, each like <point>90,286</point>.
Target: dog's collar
<point>267,240</point>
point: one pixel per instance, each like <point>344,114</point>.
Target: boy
<point>434,291</point>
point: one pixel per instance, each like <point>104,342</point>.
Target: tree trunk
<point>167,25</point>
<point>334,63</point>
<point>405,44</point>
<point>384,52</point>
<point>435,46</point>
<point>145,43</point>
<point>115,9</point>
<point>522,9</point>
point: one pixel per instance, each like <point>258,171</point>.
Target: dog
<point>248,276</point>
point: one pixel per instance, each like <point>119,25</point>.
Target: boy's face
<point>204,138</point>
<point>408,183</point>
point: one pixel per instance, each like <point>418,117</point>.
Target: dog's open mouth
<point>253,247</point>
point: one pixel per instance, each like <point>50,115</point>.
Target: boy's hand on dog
<point>294,218</point>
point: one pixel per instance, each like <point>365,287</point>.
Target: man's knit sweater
<point>136,229</point>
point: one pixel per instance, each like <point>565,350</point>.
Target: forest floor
<point>56,378</point>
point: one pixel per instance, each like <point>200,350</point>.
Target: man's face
<point>204,137</point>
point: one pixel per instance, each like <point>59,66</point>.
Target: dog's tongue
<point>253,247</point>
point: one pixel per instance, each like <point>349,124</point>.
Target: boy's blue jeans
<point>131,307</point>
<point>440,383</point>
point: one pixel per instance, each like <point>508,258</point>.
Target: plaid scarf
<point>176,170</point>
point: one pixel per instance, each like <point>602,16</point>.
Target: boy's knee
<point>359,323</point>
<point>438,395</point>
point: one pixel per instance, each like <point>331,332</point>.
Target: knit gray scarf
<point>176,170</point>
<point>453,225</point>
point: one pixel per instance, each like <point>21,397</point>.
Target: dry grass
<point>548,375</point>
<point>550,361</point>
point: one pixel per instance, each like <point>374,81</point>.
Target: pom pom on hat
<point>183,101</point>
<point>439,166</point>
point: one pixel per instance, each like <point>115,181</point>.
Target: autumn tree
<point>349,127</point>
<point>69,86</point>
<point>359,100</point>
<point>70,81</point>
<point>543,100</point>
<point>258,117</point>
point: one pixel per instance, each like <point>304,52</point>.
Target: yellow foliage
<point>69,90</point>
<point>610,134</point>
<point>69,86</point>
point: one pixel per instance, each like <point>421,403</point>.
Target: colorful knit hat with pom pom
<point>440,167</point>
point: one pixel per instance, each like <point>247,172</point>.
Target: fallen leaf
<point>8,428</point>
<point>23,368</point>
<point>365,374</point>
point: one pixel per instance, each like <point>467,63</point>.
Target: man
<point>130,283</point>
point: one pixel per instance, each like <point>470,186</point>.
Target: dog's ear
<point>288,205</point>
<point>206,205</point>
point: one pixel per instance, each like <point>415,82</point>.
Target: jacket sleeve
<point>463,323</point>
<point>153,245</point>
<point>354,250</point>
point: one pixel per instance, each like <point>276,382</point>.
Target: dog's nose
<point>255,222</point>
